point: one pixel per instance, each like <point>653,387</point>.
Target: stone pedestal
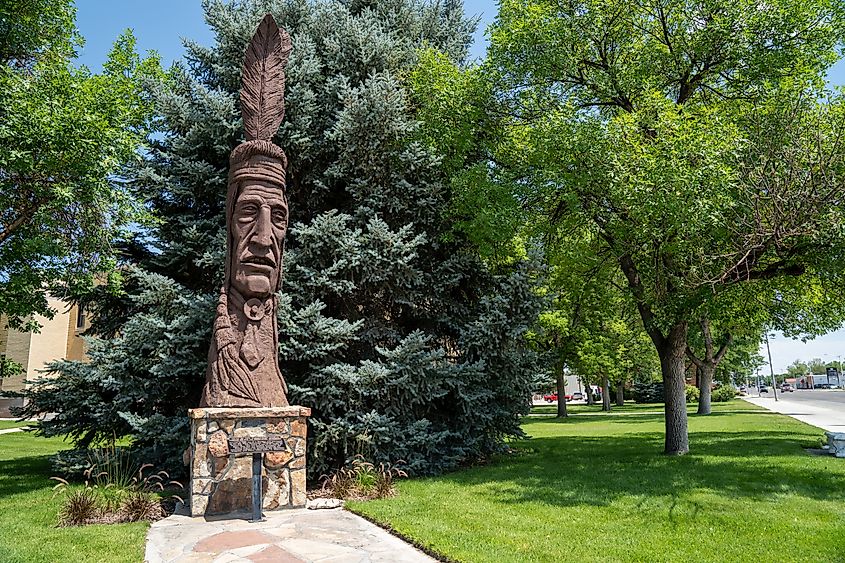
<point>836,442</point>
<point>221,482</point>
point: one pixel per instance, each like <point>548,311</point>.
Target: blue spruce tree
<point>402,341</point>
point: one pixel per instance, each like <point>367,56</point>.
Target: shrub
<point>722,394</point>
<point>692,394</point>
<point>71,464</point>
<point>648,392</point>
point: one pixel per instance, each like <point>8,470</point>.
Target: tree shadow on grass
<point>24,474</point>
<point>597,470</point>
<point>628,418</point>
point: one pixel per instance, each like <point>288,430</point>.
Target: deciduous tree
<point>65,135</point>
<point>695,139</point>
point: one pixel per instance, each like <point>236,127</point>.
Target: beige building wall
<point>16,350</point>
<point>50,343</point>
<point>58,338</point>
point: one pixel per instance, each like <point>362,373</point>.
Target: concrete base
<point>836,442</point>
<point>221,482</point>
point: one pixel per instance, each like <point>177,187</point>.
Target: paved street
<point>820,407</point>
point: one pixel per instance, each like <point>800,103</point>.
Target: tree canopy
<point>65,135</point>
<point>695,141</point>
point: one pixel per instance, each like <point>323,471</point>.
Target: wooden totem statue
<point>243,366</point>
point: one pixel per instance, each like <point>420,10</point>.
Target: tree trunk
<point>605,394</point>
<point>705,381</point>
<point>620,394</point>
<point>672,366</point>
<point>588,391</point>
<point>561,394</point>
<point>706,366</point>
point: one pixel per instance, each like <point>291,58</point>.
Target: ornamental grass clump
<point>115,492</point>
<point>140,505</point>
<point>80,507</point>
<point>362,480</point>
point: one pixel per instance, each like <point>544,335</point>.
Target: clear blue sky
<point>161,25</point>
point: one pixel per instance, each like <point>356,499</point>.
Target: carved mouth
<point>259,261</point>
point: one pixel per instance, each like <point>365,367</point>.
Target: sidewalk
<point>830,419</point>
<point>287,536</point>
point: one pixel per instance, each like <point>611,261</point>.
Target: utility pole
<point>771,369</point>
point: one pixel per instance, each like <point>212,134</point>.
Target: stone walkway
<point>287,536</point>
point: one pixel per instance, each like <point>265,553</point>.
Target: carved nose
<point>263,228</point>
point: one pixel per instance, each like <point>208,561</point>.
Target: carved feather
<point>263,80</point>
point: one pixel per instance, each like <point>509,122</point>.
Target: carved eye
<point>248,211</point>
<point>279,217</point>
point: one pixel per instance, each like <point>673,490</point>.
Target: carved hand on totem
<point>258,231</point>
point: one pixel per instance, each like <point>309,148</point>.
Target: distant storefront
<point>809,381</point>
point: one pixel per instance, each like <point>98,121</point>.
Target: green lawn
<point>28,510</point>
<point>4,424</point>
<point>596,488</point>
<point>580,408</point>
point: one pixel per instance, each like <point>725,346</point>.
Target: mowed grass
<point>582,408</point>
<point>597,488</point>
<point>6,424</point>
<point>28,512</point>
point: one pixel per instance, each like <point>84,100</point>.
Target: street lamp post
<point>771,369</point>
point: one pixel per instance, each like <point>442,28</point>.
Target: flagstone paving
<point>287,536</point>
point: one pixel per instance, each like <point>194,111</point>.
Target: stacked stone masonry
<point>221,481</point>
<point>836,443</point>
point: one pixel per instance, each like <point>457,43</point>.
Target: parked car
<point>764,389</point>
<point>568,397</point>
<point>577,396</point>
<point>550,398</point>
<point>787,387</point>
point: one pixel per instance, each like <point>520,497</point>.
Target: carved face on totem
<point>243,367</point>
<point>259,226</point>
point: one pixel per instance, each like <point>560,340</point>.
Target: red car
<point>552,397</point>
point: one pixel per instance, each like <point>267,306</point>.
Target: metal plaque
<point>256,445</point>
